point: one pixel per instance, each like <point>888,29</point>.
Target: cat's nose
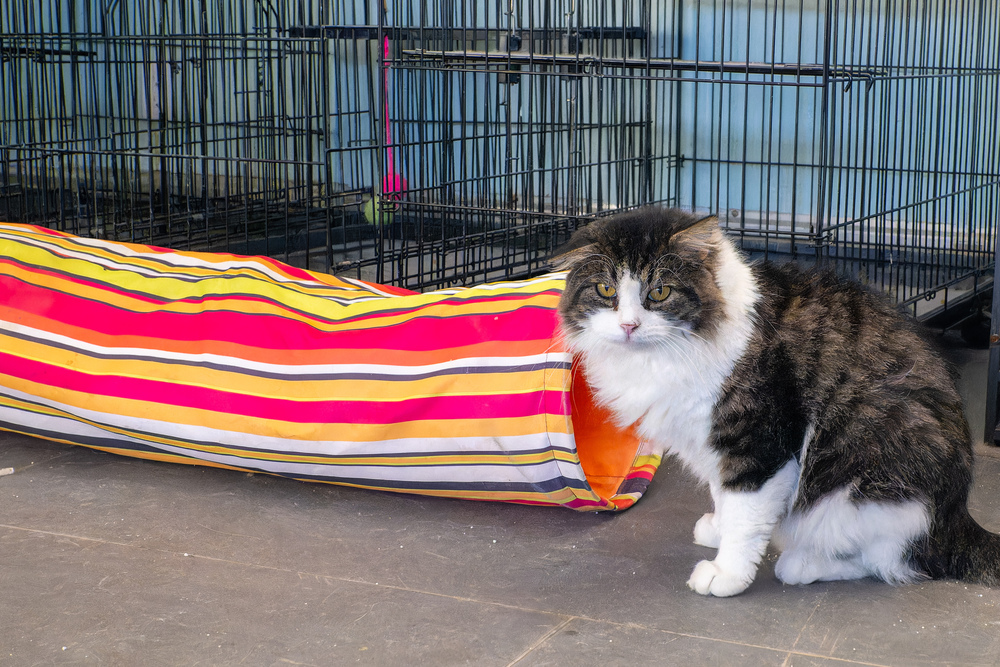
<point>629,327</point>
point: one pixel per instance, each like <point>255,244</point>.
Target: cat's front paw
<point>710,579</point>
<point>705,532</point>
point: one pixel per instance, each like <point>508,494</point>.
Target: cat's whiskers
<point>688,333</point>
<point>674,349</point>
<point>679,356</point>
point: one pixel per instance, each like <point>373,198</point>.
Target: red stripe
<point>271,331</point>
<point>495,406</point>
<point>644,472</point>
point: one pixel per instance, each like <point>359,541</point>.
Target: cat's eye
<point>605,290</point>
<point>659,293</point>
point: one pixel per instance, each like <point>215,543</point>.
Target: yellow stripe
<point>211,265</point>
<point>290,301</point>
<point>647,460</point>
<point>165,299</point>
<point>168,283</point>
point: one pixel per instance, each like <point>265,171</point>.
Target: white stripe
<point>440,474</point>
<point>178,259</point>
<point>389,446</point>
<point>517,284</point>
<point>370,287</point>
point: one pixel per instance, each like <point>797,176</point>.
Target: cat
<point>816,412</point>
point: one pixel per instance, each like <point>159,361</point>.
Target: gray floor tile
<point>22,452</point>
<point>941,622</point>
<point>585,643</point>
<point>72,600</point>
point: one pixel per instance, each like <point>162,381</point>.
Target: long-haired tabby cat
<point>811,408</point>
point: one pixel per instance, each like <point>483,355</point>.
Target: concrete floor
<point>110,560</point>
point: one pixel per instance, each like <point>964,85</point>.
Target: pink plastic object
<point>393,184</point>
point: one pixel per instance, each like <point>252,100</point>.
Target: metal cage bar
<point>436,144</point>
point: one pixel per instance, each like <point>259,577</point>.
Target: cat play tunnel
<point>251,364</point>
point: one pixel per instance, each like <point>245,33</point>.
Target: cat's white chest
<point>669,398</point>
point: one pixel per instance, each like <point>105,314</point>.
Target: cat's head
<point>643,278</point>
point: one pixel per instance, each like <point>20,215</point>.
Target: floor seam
<point>541,640</point>
<point>799,636</point>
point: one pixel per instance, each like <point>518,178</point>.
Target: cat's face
<point>640,280</point>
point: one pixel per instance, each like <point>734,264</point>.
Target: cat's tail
<point>970,552</point>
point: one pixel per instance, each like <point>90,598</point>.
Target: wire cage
<point>195,125</point>
<point>430,144</point>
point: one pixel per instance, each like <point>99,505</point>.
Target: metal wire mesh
<point>431,144</point>
<point>194,125</point>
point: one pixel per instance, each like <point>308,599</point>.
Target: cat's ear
<point>579,246</point>
<point>698,240</point>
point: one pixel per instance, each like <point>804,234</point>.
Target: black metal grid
<point>432,144</point>
<point>190,125</point>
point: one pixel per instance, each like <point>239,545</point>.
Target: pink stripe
<point>275,332</point>
<point>496,406</point>
<point>579,503</point>
<point>575,504</point>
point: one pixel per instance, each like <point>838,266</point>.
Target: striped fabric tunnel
<point>251,364</point>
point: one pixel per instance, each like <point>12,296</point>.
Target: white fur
<point>706,531</point>
<point>666,379</point>
<point>745,520</point>
<point>838,538</point>
<point>806,441</point>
